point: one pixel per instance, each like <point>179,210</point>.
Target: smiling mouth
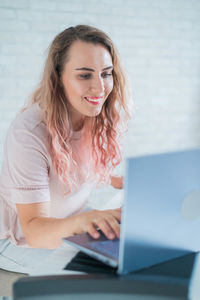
<point>93,100</point>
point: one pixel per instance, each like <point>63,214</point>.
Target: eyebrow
<point>92,70</point>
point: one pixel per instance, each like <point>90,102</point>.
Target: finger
<point>113,223</point>
<point>116,213</point>
<point>119,208</point>
<point>106,229</point>
<point>93,231</point>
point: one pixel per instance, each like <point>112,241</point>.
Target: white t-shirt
<point>28,176</point>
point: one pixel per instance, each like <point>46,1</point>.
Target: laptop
<point>160,215</point>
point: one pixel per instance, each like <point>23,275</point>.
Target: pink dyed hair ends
<point>106,129</point>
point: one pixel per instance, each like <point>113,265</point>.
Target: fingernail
<point>95,235</point>
<point>111,236</point>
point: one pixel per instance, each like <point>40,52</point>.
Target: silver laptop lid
<point>161,214</point>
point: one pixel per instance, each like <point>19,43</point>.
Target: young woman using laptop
<point>65,142</point>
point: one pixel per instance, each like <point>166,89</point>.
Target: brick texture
<point>159,44</point>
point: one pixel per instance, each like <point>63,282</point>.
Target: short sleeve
<point>28,167</point>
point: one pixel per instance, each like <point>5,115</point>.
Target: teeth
<point>93,100</point>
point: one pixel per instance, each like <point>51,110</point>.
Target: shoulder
<point>28,135</point>
<point>26,146</point>
<point>30,118</point>
<point>28,125</point>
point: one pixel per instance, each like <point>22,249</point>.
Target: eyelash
<point>87,76</point>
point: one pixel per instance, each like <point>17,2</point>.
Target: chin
<point>94,113</point>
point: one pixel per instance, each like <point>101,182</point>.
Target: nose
<point>97,86</point>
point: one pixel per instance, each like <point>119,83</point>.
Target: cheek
<point>78,87</point>
<point>109,86</point>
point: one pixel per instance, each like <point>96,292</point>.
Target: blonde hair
<point>106,129</point>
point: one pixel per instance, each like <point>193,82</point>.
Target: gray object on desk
<point>165,281</point>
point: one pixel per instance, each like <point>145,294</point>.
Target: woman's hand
<point>117,181</point>
<point>42,231</point>
<point>108,221</point>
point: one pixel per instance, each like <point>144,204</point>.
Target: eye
<point>105,75</point>
<point>85,76</point>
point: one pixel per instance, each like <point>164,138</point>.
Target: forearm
<point>45,232</point>
<point>117,181</point>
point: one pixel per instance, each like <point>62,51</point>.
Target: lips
<point>94,100</point>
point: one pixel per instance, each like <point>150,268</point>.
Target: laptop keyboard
<point>109,247</point>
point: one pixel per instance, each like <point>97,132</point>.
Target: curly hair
<point>106,129</point>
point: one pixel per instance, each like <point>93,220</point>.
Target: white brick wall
<point>159,43</point>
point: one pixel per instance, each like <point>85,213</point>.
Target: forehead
<point>82,54</point>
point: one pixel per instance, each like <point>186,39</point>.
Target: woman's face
<point>87,80</point>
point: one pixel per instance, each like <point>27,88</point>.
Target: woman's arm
<point>42,231</point>
<point>117,181</point>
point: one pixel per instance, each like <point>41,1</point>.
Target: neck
<point>78,124</point>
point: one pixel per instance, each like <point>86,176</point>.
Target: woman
<point>66,141</point>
